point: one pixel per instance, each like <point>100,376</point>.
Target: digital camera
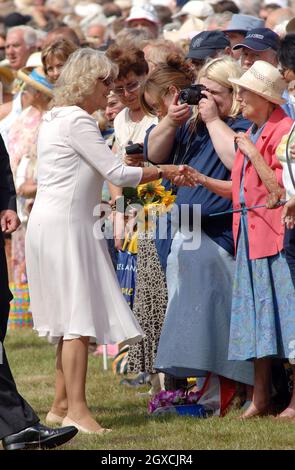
<point>192,95</point>
<point>134,149</point>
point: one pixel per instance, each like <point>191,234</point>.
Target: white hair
<point>30,35</point>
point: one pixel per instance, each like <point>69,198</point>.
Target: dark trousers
<point>15,413</point>
<point>289,246</point>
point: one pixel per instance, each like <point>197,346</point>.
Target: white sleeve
<point>86,139</point>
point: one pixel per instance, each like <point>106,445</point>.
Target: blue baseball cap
<point>260,39</point>
<point>243,23</point>
<point>205,44</point>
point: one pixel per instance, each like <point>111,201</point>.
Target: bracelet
<point>204,178</point>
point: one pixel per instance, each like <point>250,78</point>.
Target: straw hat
<point>263,79</point>
<point>36,79</point>
<point>6,74</point>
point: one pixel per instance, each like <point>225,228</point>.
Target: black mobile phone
<point>133,149</point>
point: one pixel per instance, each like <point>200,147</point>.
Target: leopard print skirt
<point>149,308</point>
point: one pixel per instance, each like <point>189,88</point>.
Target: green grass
<point>118,407</point>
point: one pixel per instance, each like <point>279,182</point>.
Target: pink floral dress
<point>22,139</point>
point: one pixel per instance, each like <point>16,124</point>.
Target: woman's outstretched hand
<point>182,175</point>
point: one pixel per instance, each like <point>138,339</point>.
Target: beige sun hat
<point>33,61</point>
<point>263,79</point>
<point>189,29</point>
<point>36,79</point>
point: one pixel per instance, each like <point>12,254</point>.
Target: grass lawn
<point>118,407</point>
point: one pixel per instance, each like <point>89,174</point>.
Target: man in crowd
<point>259,44</point>
<point>21,42</point>
<point>207,44</point>
<point>237,29</point>
<point>144,17</point>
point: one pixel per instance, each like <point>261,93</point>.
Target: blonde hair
<point>79,76</point>
<point>220,70</point>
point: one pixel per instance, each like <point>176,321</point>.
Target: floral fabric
<point>263,306</point>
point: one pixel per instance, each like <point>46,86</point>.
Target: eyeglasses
<point>130,88</point>
<point>107,81</point>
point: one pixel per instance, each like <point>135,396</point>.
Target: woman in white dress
<point>74,293</point>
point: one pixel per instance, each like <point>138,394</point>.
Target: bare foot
<point>253,411</point>
<point>288,413</point>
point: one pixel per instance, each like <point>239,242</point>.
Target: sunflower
<point>168,199</point>
<point>151,192</point>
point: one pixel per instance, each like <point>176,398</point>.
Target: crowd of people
<point>191,102</point>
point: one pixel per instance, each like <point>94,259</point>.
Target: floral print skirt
<point>263,305</point>
<point>20,315</point>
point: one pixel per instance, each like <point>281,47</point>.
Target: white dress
<point>73,287</point>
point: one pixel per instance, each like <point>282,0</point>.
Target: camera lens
<point>192,95</point>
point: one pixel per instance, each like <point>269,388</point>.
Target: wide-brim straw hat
<point>36,79</point>
<point>6,74</point>
<point>263,79</point>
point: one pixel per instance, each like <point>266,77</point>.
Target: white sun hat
<point>197,8</point>
<point>263,79</point>
<point>144,12</point>
<point>34,61</point>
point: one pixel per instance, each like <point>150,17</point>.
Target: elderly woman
<point>262,318</point>
<point>199,272</point>
<point>75,296</point>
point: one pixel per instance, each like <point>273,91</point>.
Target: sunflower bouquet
<point>154,199</point>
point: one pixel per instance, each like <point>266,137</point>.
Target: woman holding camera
<point>151,294</point>
<point>195,333</point>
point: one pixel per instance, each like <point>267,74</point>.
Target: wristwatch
<point>160,171</point>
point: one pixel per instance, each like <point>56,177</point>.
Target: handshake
<point>182,175</point>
